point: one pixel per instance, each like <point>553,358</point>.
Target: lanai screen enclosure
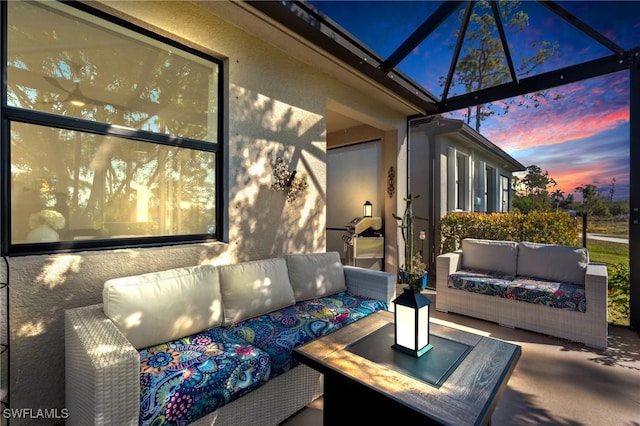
<point>379,38</point>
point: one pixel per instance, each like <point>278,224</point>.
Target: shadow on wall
<point>262,224</point>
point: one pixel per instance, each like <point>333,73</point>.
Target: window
<point>505,187</point>
<point>459,184</point>
<point>479,182</point>
<point>113,133</point>
<point>490,174</point>
<point>460,189</point>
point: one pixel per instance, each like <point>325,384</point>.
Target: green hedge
<point>538,227</point>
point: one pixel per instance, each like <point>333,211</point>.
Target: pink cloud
<point>545,126</point>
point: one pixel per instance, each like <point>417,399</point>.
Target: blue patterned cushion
<point>183,380</point>
<point>279,332</point>
<point>341,308</point>
<point>554,294</point>
<point>478,281</point>
<point>523,289</point>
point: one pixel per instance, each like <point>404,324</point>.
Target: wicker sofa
<point>211,345</point>
<point>545,288</point>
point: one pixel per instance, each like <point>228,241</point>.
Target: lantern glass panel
<point>423,327</point>
<point>405,327</point>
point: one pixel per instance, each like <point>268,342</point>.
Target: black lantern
<point>367,209</point>
<point>411,319</point>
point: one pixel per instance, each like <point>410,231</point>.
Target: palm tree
<point>557,197</point>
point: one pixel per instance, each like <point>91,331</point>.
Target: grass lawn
<point>612,227</point>
<point>607,252</point>
<point>612,254</point>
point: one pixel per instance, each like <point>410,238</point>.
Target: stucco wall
<point>275,108</point>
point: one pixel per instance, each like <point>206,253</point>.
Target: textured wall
<point>275,108</point>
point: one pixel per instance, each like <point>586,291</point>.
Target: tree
<point>567,202</point>
<point>531,190</point>
<point>612,189</point>
<point>483,62</point>
<point>557,197</point>
<point>592,204</point>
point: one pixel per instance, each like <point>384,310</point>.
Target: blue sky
<point>583,138</point>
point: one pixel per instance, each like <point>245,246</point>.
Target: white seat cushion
<point>161,306</point>
<point>253,288</point>
<point>315,275</point>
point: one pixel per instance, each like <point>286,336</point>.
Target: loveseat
<point>211,344</point>
<point>550,289</point>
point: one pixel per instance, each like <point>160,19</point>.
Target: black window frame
<point>9,114</point>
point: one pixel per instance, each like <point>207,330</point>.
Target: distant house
<point>455,169</point>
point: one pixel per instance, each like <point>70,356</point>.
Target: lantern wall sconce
<point>367,209</point>
<point>411,322</point>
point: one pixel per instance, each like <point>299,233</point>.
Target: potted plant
<point>414,272</point>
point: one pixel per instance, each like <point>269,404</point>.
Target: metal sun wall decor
<point>288,181</point>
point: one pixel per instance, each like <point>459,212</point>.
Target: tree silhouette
<point>557,197</point>
<point>483,61</point>
<point>592,204</point>
<point>531,191</point>
<point>95,179</point>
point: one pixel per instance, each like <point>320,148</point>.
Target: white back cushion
<point>490,255</point>
<point>254,288</point>
<point>553,262</point>
<point>315,275</point>
<point>161,306</point>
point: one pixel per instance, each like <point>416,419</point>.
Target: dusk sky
<point>582,138</point>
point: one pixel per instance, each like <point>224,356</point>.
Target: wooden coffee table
<point>365,380</point>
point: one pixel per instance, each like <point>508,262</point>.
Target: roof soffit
<point>251,20</point>
<point>436,125</point>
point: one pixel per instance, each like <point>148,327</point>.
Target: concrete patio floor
<point>556,382</point>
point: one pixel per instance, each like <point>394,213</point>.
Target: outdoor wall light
<point>411,321</point>
<point>367,209</point>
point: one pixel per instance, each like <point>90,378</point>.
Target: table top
<point>467,397</point>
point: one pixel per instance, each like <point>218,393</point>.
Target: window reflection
<point>98,165</point>
<point>106,187</point>
<point>63,64</point>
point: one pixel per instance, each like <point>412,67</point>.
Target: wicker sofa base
<point>276,400</point>
<point>114,368</point>
<point>103,368</point>
<point>590,327</point>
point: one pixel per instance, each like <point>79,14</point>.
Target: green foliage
<point>414,267</point>
<point>619,310</point>
<point>618,208</point>
<point>592,203</point>
<point>550,228</point>
<point>531,191</point>
<point>619,279</point>
<point>542,227</point>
